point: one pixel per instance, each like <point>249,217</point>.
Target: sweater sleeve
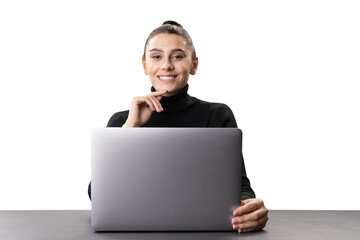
<point>118,119</point>
<point>224,117</point>
<point>246,190</point>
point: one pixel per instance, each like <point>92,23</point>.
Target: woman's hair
<point>172,27</point>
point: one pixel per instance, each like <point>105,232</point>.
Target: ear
<point>194,66</point>
<point>144,66</point>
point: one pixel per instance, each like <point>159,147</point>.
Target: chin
<point>165,87</point>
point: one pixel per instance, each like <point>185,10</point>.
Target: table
<point>283,224</point>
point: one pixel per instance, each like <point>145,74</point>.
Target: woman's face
<point>168,62</point>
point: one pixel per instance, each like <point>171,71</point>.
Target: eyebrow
<point>174,50</point>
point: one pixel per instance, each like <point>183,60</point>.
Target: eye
<point>178,57</point>
<point>156,57</point>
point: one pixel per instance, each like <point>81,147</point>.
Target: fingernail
<point>239,231</point>
<point>234,220</point>
<point>235,227</point>
<point>235,213</point>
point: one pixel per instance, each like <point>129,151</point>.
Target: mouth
<point>166,78</point>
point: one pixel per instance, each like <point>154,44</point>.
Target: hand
<point>250,216</point>
<point>139,113</point>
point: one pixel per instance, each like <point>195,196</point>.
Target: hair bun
<point>172,23</point>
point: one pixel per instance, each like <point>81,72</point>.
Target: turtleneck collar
<point>176,102</point>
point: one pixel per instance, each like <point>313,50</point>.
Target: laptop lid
<point>165,179</point>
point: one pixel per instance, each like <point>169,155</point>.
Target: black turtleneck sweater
<point>183,110</point>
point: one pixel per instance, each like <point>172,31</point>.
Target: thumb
<point>249,200</point>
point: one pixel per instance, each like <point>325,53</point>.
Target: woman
<point>169,58</point>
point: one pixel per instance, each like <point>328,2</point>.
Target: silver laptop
<point>165,179</point>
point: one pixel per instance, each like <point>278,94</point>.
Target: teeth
<point>167,78</point>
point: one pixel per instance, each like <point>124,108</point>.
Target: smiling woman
<point>169,63</point>
<point>169,58</point>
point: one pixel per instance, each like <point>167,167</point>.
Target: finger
<point>249,206</point>
<point>248,225</point>
<point>246,230</point>
<point>249,200</point>
<point>142,100</point>
<point>260,225</point>
<point>156,103</point>
<point>237,210</point>
<point>158,93</point>
<point>253,216</point>
<point>252,225</point>
<point>158,97</point>
<point>150,105</point>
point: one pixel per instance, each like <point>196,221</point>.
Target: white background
<point>289,70</point>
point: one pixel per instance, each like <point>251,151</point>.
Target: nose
<point>167,65</point>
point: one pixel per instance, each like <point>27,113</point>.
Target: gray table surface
<point>75,224</point>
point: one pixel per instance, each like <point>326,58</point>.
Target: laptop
<point>165,179</point>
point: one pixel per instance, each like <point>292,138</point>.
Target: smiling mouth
<point>167,78</point>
